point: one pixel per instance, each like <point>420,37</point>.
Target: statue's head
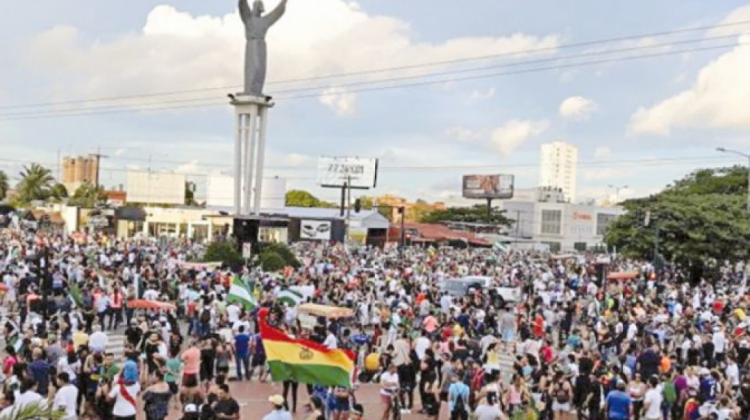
<point>258,8</point>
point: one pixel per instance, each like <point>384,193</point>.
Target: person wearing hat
<point>278,412</point>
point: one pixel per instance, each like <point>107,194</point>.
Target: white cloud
<point>341,101</point>
<point>478,95</point>
<point>717,99</point>
<point>602,152</point>
<point>577,108</point>
<point>514,133</point>
<point>296,159</point>
<point>120,151</point>
<point>176,50</point>
<point>461,134</point>
<point>189,168</point>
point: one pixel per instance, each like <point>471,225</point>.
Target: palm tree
<point>58,193</point>
<point>35,184</point>
<point>3,185</point>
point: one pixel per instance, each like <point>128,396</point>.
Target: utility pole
<point>402,209</point>
<point>98,155</point>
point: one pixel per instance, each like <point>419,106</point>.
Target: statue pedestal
<point>251,120</point>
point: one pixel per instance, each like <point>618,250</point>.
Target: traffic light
<point>357,205</point>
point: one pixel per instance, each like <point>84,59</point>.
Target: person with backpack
<point>670,394</point>
<point>458,400</point>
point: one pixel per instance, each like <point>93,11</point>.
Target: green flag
<point>75,294</point>
<point>241,293</point>
<point>290,297</point>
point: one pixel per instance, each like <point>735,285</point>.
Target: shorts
<point>190,380</point>
<point>258,360</point>
<point>341,405</point>
<point>173,388</point>
<point>386,399</point>
<point>509,336</point>
<point>564,407</point>
<point>444,396</point>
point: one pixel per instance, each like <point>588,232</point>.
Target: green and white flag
<point>291,297</point>
<point>16,341</point>
<point>241,293</point>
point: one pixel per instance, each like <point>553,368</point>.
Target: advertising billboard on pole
<point>360,173</point>
<point>488,186</point>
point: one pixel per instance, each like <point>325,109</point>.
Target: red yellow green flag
<point>303,360</point>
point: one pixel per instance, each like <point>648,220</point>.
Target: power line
<point>391,69</point>
<point>398,79</point>
<point>77,113</point>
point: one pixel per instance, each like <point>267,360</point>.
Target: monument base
<point>251,114</point>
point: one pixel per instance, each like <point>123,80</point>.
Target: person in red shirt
<point>539,325</point>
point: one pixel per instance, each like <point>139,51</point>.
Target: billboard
<point>336,171</point>
<point>155,188</point>
<point>488,186</point>
<point>316,230</point>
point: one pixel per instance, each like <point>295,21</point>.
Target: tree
<point>3,185</point>
<point>698,221</point>
<point>271,262</point>
<point>35,183</point>
<point>88,196</point>
<point>224,251</point>
<point>474,214</point>
<point>300,198</point>
<point>284,252</point>
<point>58,192</point>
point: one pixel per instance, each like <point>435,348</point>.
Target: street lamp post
<point>746,156</point>
<point>617,191</point>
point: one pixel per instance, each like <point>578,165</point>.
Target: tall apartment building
<point>557,168</point>
<point>79,170</point>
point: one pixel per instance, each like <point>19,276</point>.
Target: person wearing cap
<point>277,413</point>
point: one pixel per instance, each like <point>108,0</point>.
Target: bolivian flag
<point>304,361</point>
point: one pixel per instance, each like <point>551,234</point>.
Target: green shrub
<point>284,252</point>
<point>224,251</point>
<point>271,261</point>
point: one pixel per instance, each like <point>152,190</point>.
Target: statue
<point>256,27</point>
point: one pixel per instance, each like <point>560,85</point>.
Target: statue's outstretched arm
<point>245,12</point>
<point>276,13</point>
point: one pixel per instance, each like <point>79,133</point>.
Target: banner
<point>315,230</point>
<point>488,186</point>
<point>357,173</point>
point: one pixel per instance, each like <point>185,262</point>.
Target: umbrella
<point>151,304</point>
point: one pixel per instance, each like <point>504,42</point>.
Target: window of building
<point>602,223</point>
<point>553,246</point>
<point>580,246</point>
<point>551,222</point>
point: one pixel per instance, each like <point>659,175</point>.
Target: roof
<point>54,217</point>
<point>364,218</point>
<point>434,232</point>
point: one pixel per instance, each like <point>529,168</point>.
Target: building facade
<point>546,218</point>
<point>79,170</point>
<point>558,168</point>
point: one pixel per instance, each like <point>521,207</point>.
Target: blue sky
<point>629,119</point>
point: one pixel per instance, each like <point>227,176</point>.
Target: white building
<point>558,168</point>
<point>547,218</point>
<point>220,192</point>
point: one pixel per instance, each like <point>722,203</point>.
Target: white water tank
<point>274,194</point>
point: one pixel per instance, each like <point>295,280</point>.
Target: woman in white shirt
<point>125,392</point>
<point>70,365</point>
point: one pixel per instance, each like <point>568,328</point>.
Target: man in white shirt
<point>98,340</point>
<point>66,398</point>
<point>421,344</point>
<point>26,395</point>
<point>653,400</point>
<point>233,313</point>
<point>331,342</point>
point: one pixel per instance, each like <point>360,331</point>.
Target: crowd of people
<point>652,345</point>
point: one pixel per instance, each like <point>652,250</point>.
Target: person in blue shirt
<point>458,399</point>
<point>619,405</point>
<point>39,369</point>
<point>242,352</point>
